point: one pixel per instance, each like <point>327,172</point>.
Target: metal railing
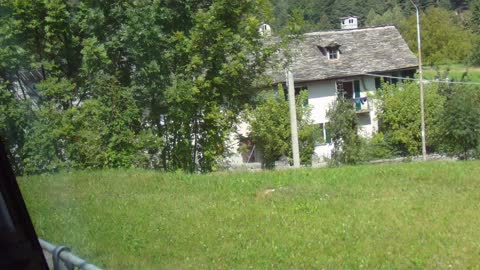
<point>361,105</point>
<point>64,259</point>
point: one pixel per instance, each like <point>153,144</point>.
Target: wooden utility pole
<point>420,69</point>
<point>293,119</point>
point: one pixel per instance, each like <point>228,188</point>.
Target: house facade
<point>351,62</point>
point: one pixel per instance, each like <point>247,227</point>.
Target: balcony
<point>361,104</point>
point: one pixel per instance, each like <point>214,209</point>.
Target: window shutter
<point>356,87</point>
<point>328,138</point>
<point>378,83</point>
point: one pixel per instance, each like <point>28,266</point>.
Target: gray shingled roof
<point>363,50</point>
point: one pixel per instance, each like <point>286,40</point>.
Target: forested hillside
<point>450,28</point>
<point>324,14</point>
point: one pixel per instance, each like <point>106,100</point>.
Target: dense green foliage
<point>399,116</point>
<point>411,215</point>
<point>161,83</point>
<point>376,148</point>
<point>461,121</point>
<point>325,14</point>
<point>157,84</point>
<point>343,127</point>
<point>450,29</point>
<point>270,127</point>
<point>444,39</point>
<point>452,119</point>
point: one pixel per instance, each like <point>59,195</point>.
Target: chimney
<point>265,30</point>
<point>350,22</point>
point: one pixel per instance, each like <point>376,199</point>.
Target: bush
<point>344,131</point>
<point>461,122</point>
<point>270,127</point>
<point>399,116</point>
<point>377,148</point>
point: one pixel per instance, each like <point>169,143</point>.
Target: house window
<point>350,21</point>
<point>325,133</point>
<point>348,89</point>
<point>378,83</point>
<point>391,80</point>
<point>297,92</point>
<point>332,53</point>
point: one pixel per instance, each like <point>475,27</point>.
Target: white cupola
<point>350,22</point>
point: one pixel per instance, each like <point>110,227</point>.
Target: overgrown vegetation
<point>270,127</point>
<point>416,215</point>
<point>101,84</point>
<point>461,122</point>
<point>344,131</point>
<point>452,121</point>
<point>399,116</point>
<point>157,84</point>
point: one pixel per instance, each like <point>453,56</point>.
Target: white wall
<point>346,24</point>
<point>233,143</point>
<point>321,96</point>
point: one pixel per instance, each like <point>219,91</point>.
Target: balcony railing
<point>361,104</point>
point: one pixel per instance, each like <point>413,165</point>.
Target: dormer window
<point>332,53</point>
<point>330,49</point>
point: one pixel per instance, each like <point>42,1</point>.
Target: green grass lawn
<point>455,72</point>
<point>411,215</point>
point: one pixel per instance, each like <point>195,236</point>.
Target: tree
<point>270,127</point>
<point>343,125</point>
<point>224,54</point>
<point>444,40</point>
<point>110,76</point>
<point>13,122</point>
<point>461,121</point>
<point>475,15</point>
<point>393,16</point>
<point>399,116</point>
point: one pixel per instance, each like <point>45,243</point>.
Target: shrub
<point>344,132</point>
<point>399,116</point>
<point>377,148</point>
<point>461,122</point>
<point>270,127</point>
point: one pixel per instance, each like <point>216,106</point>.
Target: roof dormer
<point>331,50</point>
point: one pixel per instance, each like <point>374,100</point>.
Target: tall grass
<point>456,72</point>
<point>415,215</point>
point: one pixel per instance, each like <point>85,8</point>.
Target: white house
<point>350,61</point>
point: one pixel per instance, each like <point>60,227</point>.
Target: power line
<point>360,73</point>
<point>413,79</point>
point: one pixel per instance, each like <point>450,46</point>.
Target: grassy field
<point>411,215</point>
<point>455,72</point>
